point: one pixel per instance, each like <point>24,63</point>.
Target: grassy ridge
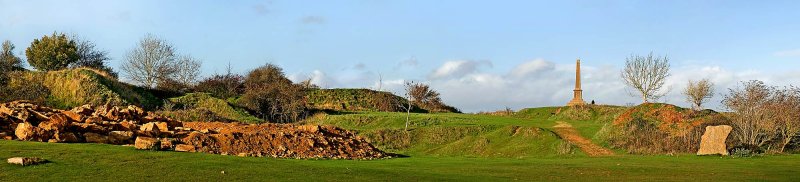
<point>191,106</point>
<point>97,162</point>
<point>352,100</point>
<point>75,87</point>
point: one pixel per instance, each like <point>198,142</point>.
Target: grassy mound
<point>341,99</point>
<point>353,100</point>
<point>75,87</point>
<point>655,128</point>
<point>449,134</point>
<point>204,107</point>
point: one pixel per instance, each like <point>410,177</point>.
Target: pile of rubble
<point>26,121</point>
<point>280,140</point>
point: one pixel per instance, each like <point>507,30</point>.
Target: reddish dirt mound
<point>280,140</point>
<point>23,120</point>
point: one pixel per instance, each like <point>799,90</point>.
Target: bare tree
<point>752,119</point>
<point>646,74</point>
<point>380,82</point>
<point>9,61</point>
<point>409,101</point>
<point>699,92</point>
<point>151,61</point>
<point>786,104</point>
<point>187,69</point>
<point>89,56</point>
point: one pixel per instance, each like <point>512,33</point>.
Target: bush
<point>271,96</point>
<point>659,129</point>
<point>222,86</point>
<point>23,89</point>
<point>53,52</point>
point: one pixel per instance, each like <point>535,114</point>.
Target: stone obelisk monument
<point>577,95</point>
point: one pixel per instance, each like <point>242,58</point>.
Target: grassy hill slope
<point>362,100</point>
<point>353,100</point>
<point>451,134</point>
<point>204,107</point>
<point>75,87</point>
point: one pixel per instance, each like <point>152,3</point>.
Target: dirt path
<point>567,132</point>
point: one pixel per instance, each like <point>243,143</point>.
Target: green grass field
<point>440,147</point>
<point>96,162</point>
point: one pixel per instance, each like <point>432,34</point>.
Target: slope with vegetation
<point>74,87</point>
<point>655,128</point>
<point>204,107</point>
<point>353,100</point>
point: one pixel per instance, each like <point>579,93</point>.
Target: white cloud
<point>317,77</point>
<point>539,83</point>
<point>788,53</point>
<point>548,84</point>
<point>451,69</point>
<point>532,67</point>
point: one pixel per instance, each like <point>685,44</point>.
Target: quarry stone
<point>120,137</point>
<point>146,130</point>
<point>25,131</point>
<point>147,143</point>
<point>25,161</point>
<point>184,148</point>
<point>713,140</point>
<point>95,138</point>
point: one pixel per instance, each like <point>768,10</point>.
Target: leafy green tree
<point>53,52</point>
<point>9,61</point>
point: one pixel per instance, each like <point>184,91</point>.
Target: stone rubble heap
<point>22,120</point>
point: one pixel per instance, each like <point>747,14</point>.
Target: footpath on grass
<point>567,132</point>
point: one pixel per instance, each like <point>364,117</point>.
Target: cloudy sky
<point>481,55</point>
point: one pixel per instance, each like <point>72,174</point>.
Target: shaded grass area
<point>204,107</point>
<point>93,162</point>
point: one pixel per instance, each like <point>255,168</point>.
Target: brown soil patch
<point>280,140</point>
<point>567,132</point>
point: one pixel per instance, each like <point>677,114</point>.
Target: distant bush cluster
<point>764,118</point>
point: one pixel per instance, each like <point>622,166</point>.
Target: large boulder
<point>26,161</point>
<point>184,148</point>
<point>150,129</point>
<point>120,137</point>
<point>95,138</point>
<point>147,143</point>
<point>26,131</point>
<point>713,140</point>
<point>67,137</point>
<point>57,122</point>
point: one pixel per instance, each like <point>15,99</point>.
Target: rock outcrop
<point>713,140</point>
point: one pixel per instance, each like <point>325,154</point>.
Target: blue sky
<point>482,55</point>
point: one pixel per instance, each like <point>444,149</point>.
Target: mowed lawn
<point>93,162</point>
